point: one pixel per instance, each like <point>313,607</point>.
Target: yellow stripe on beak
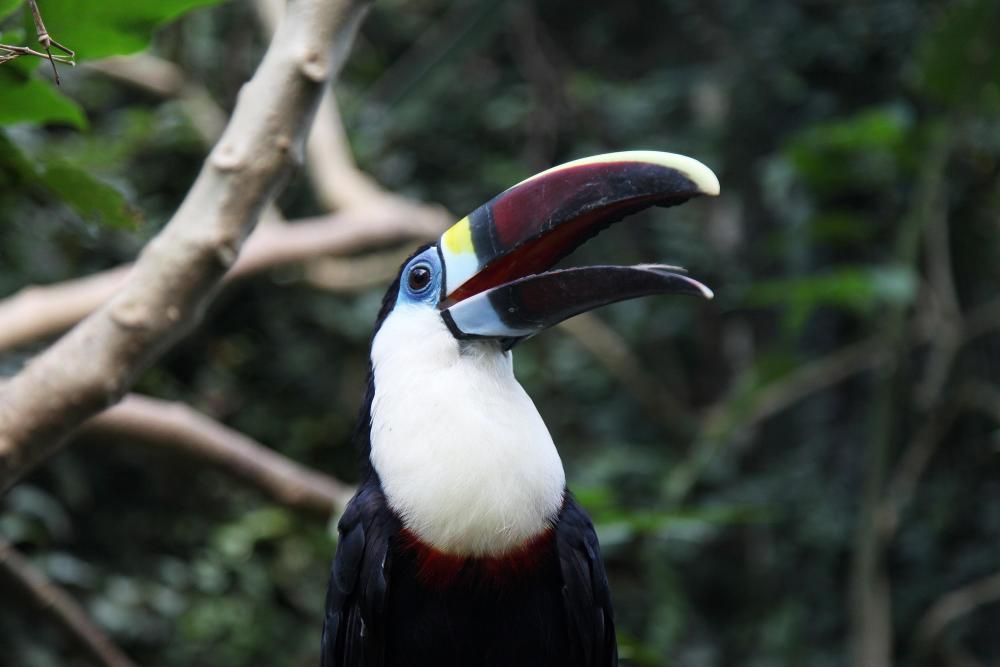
<point>458,238</point>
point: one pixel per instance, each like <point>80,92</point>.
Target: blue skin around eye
<point>430,294</point>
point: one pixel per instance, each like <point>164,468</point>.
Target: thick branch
<point>180,270</point>
<point>178,426</point>
<point>62,606</point>
<point>375,217</point>
<point>39,311</point>
<point>336,180</point>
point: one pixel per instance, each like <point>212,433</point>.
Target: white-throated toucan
<point>463,546</point>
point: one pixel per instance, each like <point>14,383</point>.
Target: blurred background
<point>805,471</point>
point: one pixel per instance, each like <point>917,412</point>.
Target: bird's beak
<point>496,283</point>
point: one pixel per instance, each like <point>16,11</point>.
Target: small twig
<point>973,395</point>
<point>45,39</point>
<point>10,52</point>
<point>62,606</point>
<point>781,394</point>
<point>610,349</point>
<point>18,51</point>
<point>534,56</point>
<point>941,284</point>
<point>901,488</point>
<point>811,378</point>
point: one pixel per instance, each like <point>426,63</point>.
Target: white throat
<point>464,457</point>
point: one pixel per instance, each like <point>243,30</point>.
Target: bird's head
<point>462,454</point>
<point>488,276</point>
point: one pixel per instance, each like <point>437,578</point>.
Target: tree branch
<point>816,376</point>
<point>871,637</point>
<point>178,426</point>
<point>61,606</point>
<point>952,606</point>
<point>351,274</point>
<point>8,52</point>
<point>372,216</point>
<point>947,323</point>
<point>13,52</point>
<point>164,78</point>
<point>973,395</point>
<point>857,358</point>
<point>336,180</point>
<point>39,311</point>
<point>729,415</point>
<point>180,270</point>
<point>611,350</point>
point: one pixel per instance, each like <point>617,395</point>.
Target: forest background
<point>805,471</point>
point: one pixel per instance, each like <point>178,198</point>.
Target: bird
<point>463,545</point>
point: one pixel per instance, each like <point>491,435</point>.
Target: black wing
<point>589,616</point>
<point>355,597</point>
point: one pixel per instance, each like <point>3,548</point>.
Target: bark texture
<point>179,271</point>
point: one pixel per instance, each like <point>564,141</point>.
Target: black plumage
<point>380,614</point>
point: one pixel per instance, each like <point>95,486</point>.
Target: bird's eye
<point>419,278</point>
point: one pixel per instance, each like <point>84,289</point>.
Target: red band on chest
<point>437,569</point>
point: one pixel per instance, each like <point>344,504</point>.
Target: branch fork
<point>10,52</point>
<point>178,272</point>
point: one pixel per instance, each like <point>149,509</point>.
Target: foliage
<point>32,100</point>
<point>111,27</point>
<point>729,540</point>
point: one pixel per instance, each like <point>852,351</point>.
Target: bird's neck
<point>463,456</point>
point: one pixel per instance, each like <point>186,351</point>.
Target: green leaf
<point>837,226</point>
<point>959,61</point>
<point>91,198</point>
<point>237,539</point>
<point>33,100</point>
<point>15,168</point>
<point>862,150</point>
<point>111,27</point>
<point>860,289</point>
<point>695,523</point>
<point>8,6</point>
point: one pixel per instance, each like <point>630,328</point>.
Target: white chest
<point>464,457</point>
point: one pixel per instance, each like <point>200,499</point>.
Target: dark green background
<point>732,464</point>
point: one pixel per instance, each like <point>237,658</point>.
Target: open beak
<point>496,260</point>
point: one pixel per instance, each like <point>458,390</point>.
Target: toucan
<point>463,546</point>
